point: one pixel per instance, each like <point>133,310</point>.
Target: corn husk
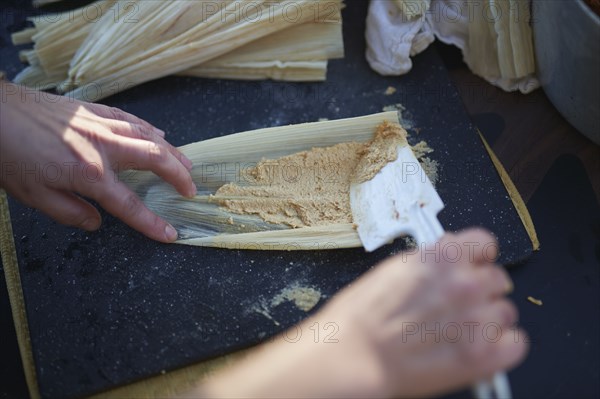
<point>201,221</point>
<point>23,37</point>
<point>521,37</point>
<point>123,49</point>
<point>301,56</point>
<point>500,44</point>
<point>176,42</point>
<point>56,38</point>
<point>290,71</point>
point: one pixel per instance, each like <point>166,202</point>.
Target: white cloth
<point>393,37</point>
<point>399,29</point>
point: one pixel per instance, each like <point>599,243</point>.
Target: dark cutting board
<point>110,307</point>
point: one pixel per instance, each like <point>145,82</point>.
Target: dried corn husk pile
<point>500,48</point>
<point>112,45</point>
<point>202,221</point>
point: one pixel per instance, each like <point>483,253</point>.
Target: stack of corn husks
<point>111,45</point>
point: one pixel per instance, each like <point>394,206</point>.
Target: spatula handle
<point>497,388</point>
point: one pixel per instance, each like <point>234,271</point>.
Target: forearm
<point>301,363</point>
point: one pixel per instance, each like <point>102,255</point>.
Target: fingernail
<point>89,224</point>
<point>186,162</point>
<point>193,191</point>
<point>170,232</point>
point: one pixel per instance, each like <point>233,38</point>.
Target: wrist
<point>302,363</point>
<point>360,358</point>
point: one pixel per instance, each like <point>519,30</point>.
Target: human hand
<point>54,149</point>
<point>416,325</point>
<point>431,322</point>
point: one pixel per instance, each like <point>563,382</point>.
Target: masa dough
<point>312,188</point>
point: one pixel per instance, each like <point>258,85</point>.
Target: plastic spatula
<point>400,200</point>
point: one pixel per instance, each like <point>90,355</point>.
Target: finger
<point>476,346</point>
<point>114,113</point>
<point>452,251</point>
<point>506,353</point>
<point>137,131</point>
<point>69,209</point>
<point>500,312</point>
<point>476,246</point>
<point>455,370</point>
<point>124,204</point>
<point>483,326</point>
<point>494,330</point>
<point>147,155</point>
<point>461,290</point>
<point>468,287</point>
<point>176,153</point>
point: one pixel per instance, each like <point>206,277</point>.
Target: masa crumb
<point>389,91</point>
<point>430,166</point>
<point>394,107</point>
<point>304,298</point>
<point>421,149</point>
<point>262,308</point>
<point>535,301</point>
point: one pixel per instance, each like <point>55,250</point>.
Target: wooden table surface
<point>525,131</point>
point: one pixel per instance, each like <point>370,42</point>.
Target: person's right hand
<point>54,149</point>
<point>416,325</point>
<point>434,321</point>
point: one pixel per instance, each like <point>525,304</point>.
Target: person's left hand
<point>54,149</point>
